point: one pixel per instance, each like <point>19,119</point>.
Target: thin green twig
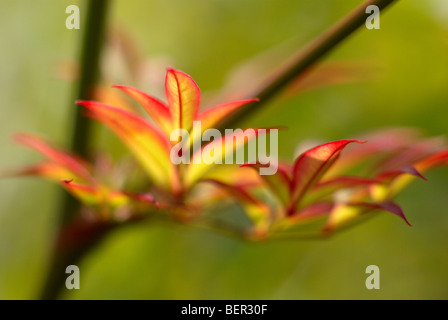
<point>304,59</point>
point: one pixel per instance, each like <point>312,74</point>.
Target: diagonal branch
<point>305,58</point>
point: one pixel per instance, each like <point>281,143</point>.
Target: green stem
<point>306,58</point>
<point>94,29</point>
<point>74,241</point>
<point>90,71</point>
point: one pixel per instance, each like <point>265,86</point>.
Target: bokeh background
<point>208,39</point>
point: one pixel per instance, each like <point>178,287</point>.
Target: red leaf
<point>436,159</point>
<point>311,166</point>
<point>388,176</point>
<point>87,194</point>
<point>344,213</point>
<point>389,206</point>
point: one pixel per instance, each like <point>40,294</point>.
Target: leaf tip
<point>84,103</point>
<point>170,69</point>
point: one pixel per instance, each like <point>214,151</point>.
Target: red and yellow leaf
<point>86,194</point>
<point>149,145</point>
<point>113,98</point>
<point>183,97</point>
<point>155,108</point>
<point>202,160</point>
<point>104,198</point>
<point>210,117</point>
<point>49,170</point>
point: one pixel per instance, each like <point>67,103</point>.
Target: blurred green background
<point>207,39</point>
